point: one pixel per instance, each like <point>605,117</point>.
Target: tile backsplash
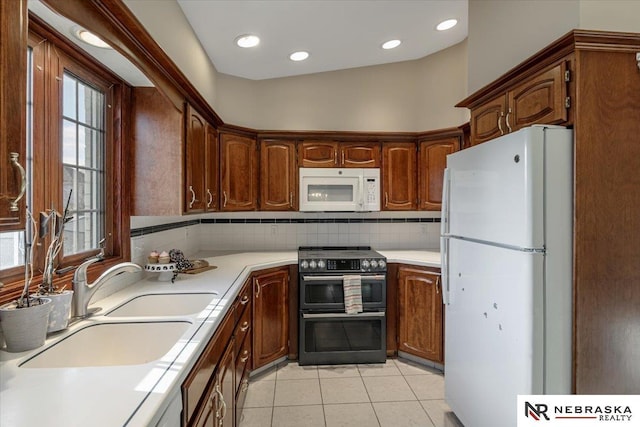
<point>263,231</point>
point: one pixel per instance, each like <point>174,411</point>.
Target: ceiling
<point>338,34</point>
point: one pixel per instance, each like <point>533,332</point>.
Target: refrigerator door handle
<point>444,273</point>
<point>446,185</point>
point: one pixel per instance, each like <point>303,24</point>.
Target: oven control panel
<point>343,265</point>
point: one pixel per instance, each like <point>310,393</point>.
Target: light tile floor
<point>398,393</point>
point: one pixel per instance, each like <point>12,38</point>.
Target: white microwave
<point>339,189</point>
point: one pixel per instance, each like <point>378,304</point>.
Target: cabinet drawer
<point>193,388</point>
<point>243,327</point>
<point>243,363</point>
<point>243,301</point>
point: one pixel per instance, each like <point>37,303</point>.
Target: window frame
<point>53,54</point>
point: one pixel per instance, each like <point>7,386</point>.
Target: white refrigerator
<point>507,270</point>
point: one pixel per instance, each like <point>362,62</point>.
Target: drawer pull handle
<point>13,158</point>
<point>193,197</point>
<point>507,120</point>
<point>244,300</point>
<point>224,195</point>
<point>257,288</point>
<point>210,198</point>
<point>245,326</point>
<point>500,123</point>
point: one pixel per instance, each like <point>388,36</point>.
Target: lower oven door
<point>340,338</point>
<point>326,292</point>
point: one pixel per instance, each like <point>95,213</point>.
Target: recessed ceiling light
<point>391,44</point>
<point>299,56</point>
<point>247,40</point>
<point>92,39</point>
<point>445,25</point>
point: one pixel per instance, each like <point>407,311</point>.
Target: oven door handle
<point>323,278</point>
<point>342,315</point>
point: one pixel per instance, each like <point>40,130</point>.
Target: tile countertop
<point>137,395</point>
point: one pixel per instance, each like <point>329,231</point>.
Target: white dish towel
<point>352,285</point>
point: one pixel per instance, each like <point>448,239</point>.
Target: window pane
<point>11,249</point>
<point>69,138</point>
<point>84,173</point>
<point>69,96</point>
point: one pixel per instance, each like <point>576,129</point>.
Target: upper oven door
<point>326,292</point>
<point>330,189</point>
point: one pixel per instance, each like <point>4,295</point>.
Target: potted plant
<point>60,298</point>
<point>24,322</point>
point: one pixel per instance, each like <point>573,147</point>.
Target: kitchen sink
<point>111,344</point>
<point>175,304</point>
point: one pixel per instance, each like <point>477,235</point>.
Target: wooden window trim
<point>117,173</point>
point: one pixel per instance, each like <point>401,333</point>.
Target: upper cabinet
<point>328,154</point>
<point>13,66</point>
<point>399,176</point>
<point>238,172</point>
<point>278,176</point>
<point>542,98</point>
<point>201,167</point>
<point>433,161</point>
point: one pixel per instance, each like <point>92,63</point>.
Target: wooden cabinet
<point>270,314</point>
<point>433,161</point>
<point>399,176</point>
<point>13,66</point>
<point>541,98</point>
<point>328,154</point>
<point>238,172</point>
<point>278,176</point>
<point>420,313</point>
<point>201,167</point>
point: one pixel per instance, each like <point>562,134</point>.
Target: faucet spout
<point>83,291</point>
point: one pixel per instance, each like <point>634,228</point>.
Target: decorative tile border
<point>164,227</point>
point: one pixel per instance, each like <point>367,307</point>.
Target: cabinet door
<point>487,120</point>
<point>196,151</point>
<point>540,99</point>
<point>239,173</point>
<point>270,316</point>
<point>399,176</point>
<point>211,169</point>
<point>359,155</point>
<point>319,154</point>
<point>13,71</point>
<point>225,380</point>
<point>420,322</point>
<point>278,176</point>
<point>433,160</point>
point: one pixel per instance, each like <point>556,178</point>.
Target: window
<point>76,120</point>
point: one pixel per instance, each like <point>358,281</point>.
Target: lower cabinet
<point>214,392</point>
<point>420,326</point>
<point>271,316</point>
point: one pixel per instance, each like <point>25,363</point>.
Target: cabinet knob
<point>244,327</point>
<point>244,300</point>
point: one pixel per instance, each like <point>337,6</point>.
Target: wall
<point>407,96</point>
<point>169,27</point>
<point>410,96</point>
<point>263,231</point>
<point>504,33</point>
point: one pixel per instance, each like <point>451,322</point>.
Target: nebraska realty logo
<point>578,410</point>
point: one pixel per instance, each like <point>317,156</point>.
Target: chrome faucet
<point>82,291</point>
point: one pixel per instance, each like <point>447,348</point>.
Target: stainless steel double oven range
<point>327,334</point>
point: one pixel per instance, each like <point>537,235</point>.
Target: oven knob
<point>365,264</point>
<point>374,263</point>
<point>381,263</point>
<point>312,264</point>
<point>304,264</point>
<point>321,264</point>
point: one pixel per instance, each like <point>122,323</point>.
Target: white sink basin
<point>111,344</point>
<point>163,305</point>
